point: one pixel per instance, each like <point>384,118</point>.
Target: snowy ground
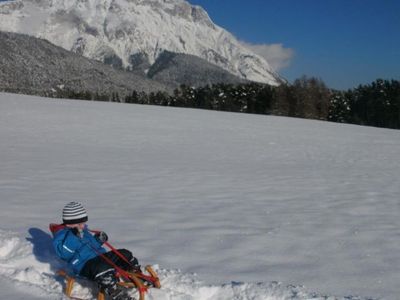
<point>226,206</point>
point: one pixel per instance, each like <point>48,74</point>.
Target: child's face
<point>80,226</point>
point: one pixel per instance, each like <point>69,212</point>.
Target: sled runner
<point>130,280</point>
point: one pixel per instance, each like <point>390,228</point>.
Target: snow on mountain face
<point>125,30</point>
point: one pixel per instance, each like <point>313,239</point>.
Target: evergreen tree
<point>377,104</point>
<point>132,98</point>
<point>339,108</point>
<point>263,99</point>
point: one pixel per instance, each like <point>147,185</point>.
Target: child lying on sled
<point>83,251</point>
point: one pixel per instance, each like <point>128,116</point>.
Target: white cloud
<point>276,55</point>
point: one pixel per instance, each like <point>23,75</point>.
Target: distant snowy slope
<point>131,32</point>
<point>225,205</point>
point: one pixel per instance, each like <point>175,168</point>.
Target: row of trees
<point>376,104</point>
<point>306,98</point>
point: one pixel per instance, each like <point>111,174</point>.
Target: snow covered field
<point>225,205</point>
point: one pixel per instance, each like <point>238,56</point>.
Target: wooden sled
<point>138,280</point>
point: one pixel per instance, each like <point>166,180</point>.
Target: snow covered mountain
<point>128,33</point>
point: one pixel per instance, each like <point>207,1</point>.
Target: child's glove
<point>101,236</point>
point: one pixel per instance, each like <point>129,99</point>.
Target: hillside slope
<point>35,66</point>
<point>229,206</point>
<point>175,69</point>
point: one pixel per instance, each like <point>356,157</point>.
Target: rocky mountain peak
<point>120,31</point>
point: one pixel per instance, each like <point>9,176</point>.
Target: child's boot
<point>120,293</point>
<point>108,282</point>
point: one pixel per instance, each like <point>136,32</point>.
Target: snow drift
<point>31,264</point>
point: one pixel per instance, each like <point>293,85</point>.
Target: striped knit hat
<point>74,213</point>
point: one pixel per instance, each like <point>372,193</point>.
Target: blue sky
<point>343,42</point>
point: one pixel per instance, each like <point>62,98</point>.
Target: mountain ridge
<point>119,30</point>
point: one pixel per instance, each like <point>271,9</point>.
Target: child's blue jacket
<point>76,250</point>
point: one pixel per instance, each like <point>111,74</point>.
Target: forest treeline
<point>376,104</point>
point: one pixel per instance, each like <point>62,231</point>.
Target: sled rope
<point>119,254</point>
<point>113,249</point>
